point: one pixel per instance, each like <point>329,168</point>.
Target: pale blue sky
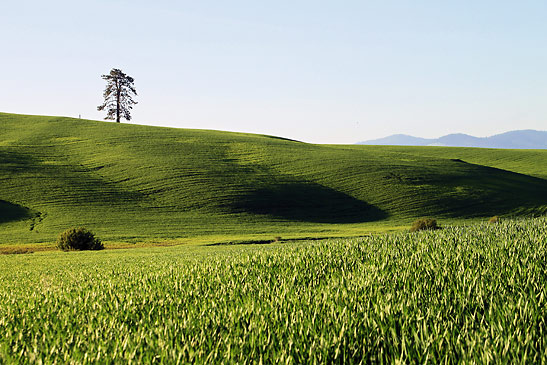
<point>316,71</point>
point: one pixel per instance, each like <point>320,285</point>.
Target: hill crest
<point>133,183</point>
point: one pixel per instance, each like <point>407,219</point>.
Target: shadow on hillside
<point>308,202</point>
<point>75,183</point>
<point>490,191</point>
<point>12,212</point>
<point>281,138</point>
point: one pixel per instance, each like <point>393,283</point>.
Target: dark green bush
<point>424,224</point>
<point>78,239</point>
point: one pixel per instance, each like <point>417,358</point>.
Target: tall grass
<point>460,294</point>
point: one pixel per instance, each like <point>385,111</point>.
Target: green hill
<point>136,183</point>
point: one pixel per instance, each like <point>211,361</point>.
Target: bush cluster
<point>78,239</point>
<point>494,219</point>
<point>424,224</point>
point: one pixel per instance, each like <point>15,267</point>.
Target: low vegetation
<point>494,219</point>
<point>462,294</point>
<point>424,224</point>
<point>78,239</point>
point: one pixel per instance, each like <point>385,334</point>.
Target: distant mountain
<point>400,140</point>
<point>523,139</point>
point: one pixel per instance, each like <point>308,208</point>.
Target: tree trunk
<point>119,90</point>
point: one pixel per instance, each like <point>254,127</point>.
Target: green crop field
<point>528,162</point>
<point>133,184</point>
<point>471,292</point>
<point>461,294</point>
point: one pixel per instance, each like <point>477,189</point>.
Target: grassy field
<point>471,294</point>
<point>134,184</point>
<point>527,162</point>
<point>464,293</point>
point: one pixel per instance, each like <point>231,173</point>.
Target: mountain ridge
<point>517,139</point>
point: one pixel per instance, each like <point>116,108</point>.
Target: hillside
<point>523,139</point>
<point>132,183</point>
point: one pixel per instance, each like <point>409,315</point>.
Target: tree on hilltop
<point>118,95</point>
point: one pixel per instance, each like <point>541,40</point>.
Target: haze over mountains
<point>521,139</point>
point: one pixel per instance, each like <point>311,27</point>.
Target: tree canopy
<point>118,95</point>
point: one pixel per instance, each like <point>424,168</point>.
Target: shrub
<point>78,239</point>
<point>494,219</point>
<point>424,224</point>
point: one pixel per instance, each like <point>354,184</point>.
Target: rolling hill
<point>523,139</point>
<point>133,183</point>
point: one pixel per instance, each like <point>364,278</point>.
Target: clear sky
<point>316,71</point>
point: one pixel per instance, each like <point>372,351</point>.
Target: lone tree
<point>118,95</point>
